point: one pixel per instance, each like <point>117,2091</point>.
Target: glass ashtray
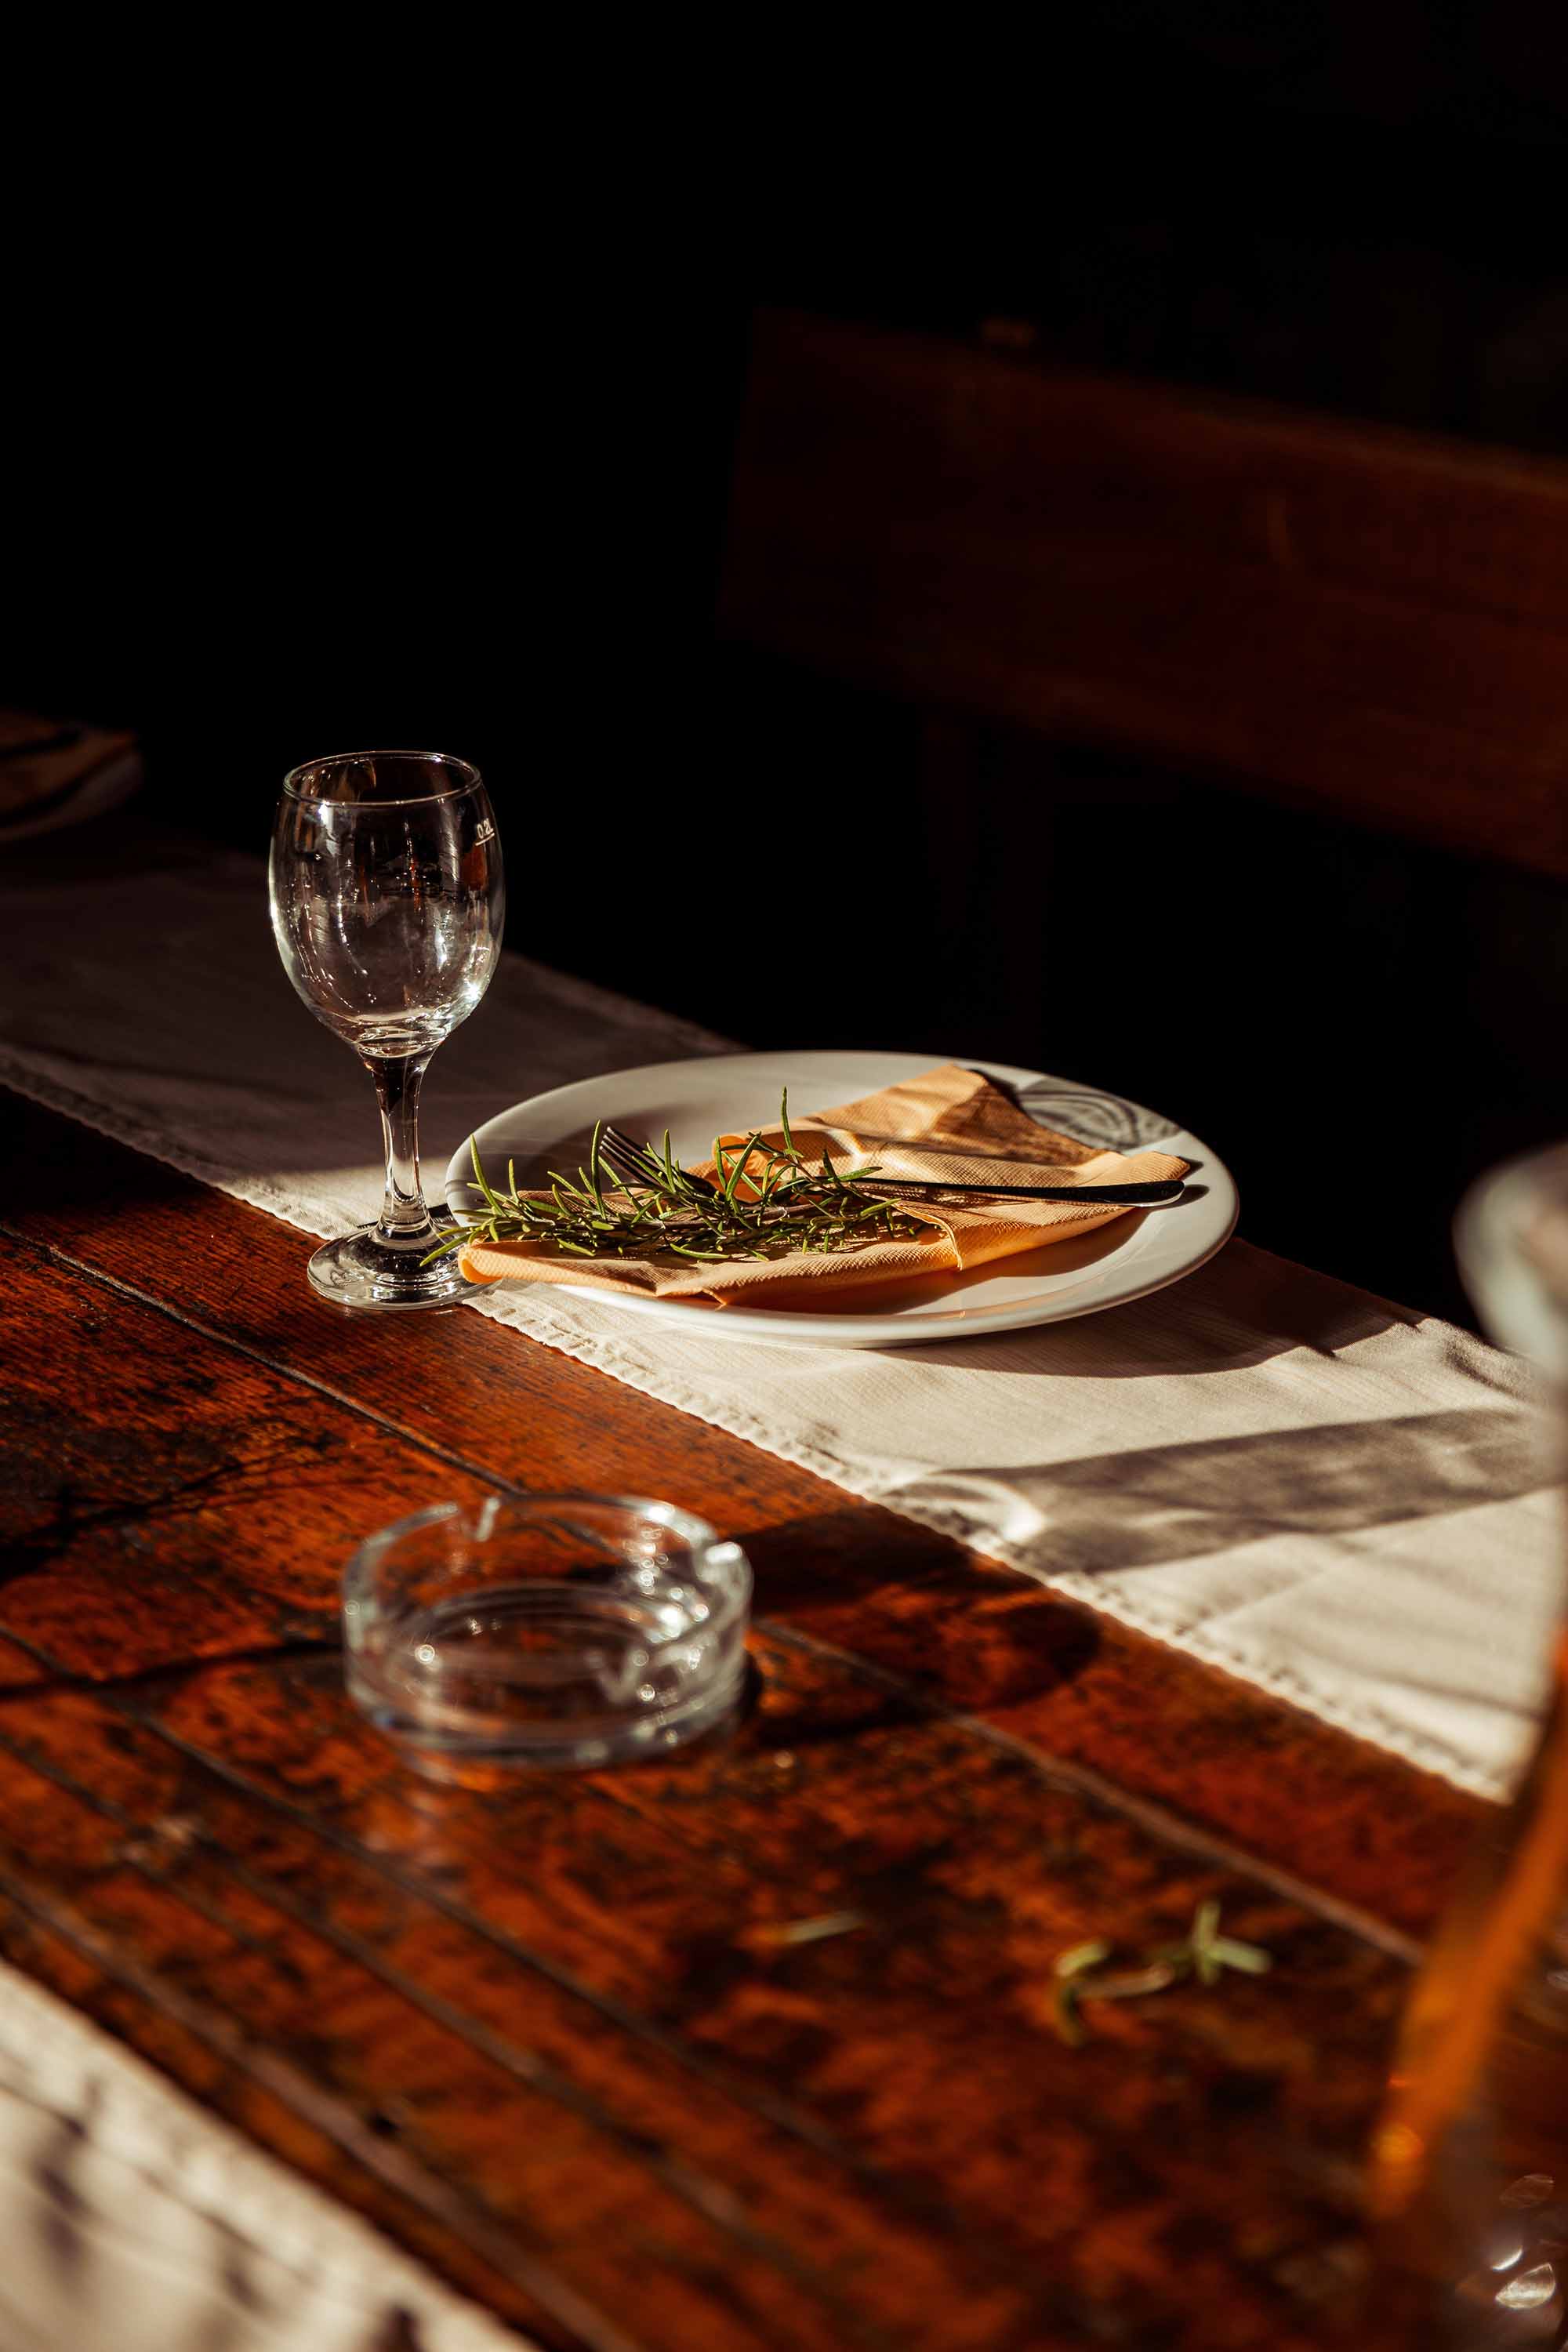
<point>563,1629</point>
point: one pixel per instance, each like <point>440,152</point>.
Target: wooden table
<point>560,2040</point>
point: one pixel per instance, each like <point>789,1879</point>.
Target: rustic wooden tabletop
<point>563,2039</point>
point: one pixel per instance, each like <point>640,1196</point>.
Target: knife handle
<point>1153,1195</point>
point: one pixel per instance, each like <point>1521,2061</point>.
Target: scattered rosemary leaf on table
<point>1081,1957</point>
<point>1203,1953</point>
<point>768,1203</point>
<point>808,1931</point>
<point>1064,2012</point>
<point>1250,1959</point>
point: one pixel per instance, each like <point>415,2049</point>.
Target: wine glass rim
<point>466,777</point>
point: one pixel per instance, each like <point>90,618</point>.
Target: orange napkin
<point>949,1126</point>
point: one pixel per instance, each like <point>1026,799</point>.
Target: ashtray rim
<point>588,1740</point>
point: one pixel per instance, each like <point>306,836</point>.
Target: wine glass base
<point>361,1269</point>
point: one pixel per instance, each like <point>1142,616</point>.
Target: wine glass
<point>387,904</point>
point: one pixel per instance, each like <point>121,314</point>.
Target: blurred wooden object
<point>55,771</point>
<point>1361,621</point>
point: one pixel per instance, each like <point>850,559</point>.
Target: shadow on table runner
<point>1113,1511</point>
<point>1398,1577</point>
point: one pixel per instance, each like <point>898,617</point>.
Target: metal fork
<point>623,1160</point>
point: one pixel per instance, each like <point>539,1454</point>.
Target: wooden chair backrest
<point>1356,619</point>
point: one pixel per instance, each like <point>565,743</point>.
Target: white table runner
<point>1337,1499</point>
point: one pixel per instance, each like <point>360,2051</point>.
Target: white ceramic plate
<point>697,1100</point>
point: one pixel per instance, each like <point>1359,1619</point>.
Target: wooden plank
<point>556,2036</point>
<point>1366,621</point>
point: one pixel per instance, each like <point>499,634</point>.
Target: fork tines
<point>627,1161</point>
<point>621,1155</point>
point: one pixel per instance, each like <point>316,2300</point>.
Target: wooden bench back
<point>1356,619</point>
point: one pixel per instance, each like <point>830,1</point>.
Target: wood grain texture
<point>1363,620</point>
<point>548,2035</point>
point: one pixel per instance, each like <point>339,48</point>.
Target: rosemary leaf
<point>1082,1956</point>
<point>480,1173</point>
<point>1064,2012</point>
<point>808,1931</point>
<point>1133,1982</point>
<point>1251,1958</point>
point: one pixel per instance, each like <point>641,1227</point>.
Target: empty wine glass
<point>387,904</point>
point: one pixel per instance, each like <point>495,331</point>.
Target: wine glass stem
<point>404,1215</point>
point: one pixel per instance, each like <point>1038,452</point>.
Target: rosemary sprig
<point>765,1201</point>
<point>772,1933</point>
<point>1203,1953</point>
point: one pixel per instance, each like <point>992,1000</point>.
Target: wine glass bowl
<point>387,901</point>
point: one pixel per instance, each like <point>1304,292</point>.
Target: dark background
<point>410,423</point>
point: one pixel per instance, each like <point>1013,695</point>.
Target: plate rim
<point>781,1328</point>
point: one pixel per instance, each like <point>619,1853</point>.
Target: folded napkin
<point>949,1126</point>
